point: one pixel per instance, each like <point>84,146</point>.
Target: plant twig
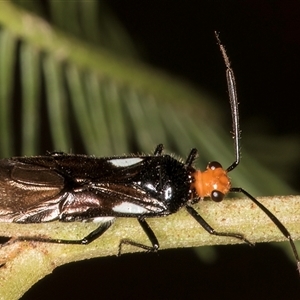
<point>28,262</point>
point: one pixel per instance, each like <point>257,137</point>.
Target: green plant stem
<point>28,262</point>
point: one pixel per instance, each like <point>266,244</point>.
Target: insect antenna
<point>231,85</point>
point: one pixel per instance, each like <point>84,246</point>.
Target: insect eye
<point>214,165</point>
<point>217,196</point>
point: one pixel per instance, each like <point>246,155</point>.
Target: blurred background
<point>114,77</point>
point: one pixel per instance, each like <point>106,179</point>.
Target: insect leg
<point>278,224</point>
<point>84,241</point>
<point>4,240</point>
<point>158,150</point>
<point>192,156</point>
<point>210,230</point>
<point>150,234</point>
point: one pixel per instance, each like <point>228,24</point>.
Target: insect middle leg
<point>150,234</point>
<point>158,150</point>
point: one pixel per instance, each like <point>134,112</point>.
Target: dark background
<point>263,42</point>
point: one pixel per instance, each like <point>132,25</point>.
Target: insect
<point>69,187</point>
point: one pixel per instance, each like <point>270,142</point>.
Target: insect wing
<point>108,187</point>
<point>73,188</point>
<point>26,186</point>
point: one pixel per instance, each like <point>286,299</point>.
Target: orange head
<point>213,182</point>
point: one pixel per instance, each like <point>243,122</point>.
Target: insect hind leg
<point>4,240</point>
<point>150,234</point>
<point>84,241</point>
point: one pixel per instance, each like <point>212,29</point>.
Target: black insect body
<point>77,187</point>
<point>69,187</point>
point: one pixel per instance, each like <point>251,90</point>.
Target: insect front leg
<point>210,230</point>
<point>150,234</point>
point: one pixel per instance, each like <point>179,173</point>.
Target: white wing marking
<point>125,162</point>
